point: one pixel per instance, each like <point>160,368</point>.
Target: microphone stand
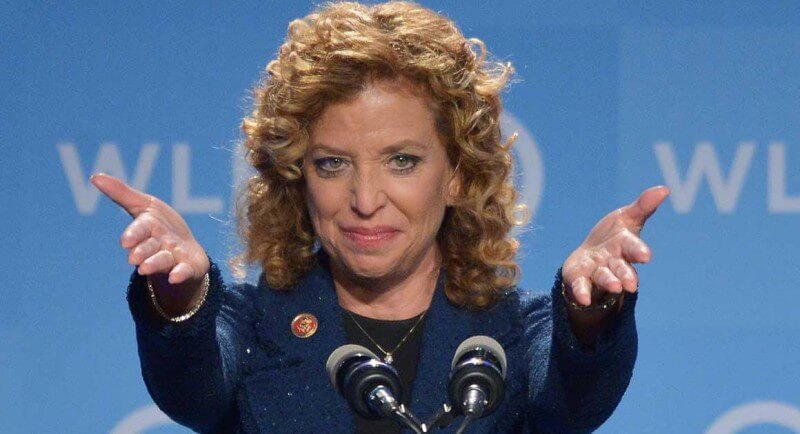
<point>474,405</point>
<point>382,401</point>
<point>442,419</point>
<point>467,420</point>
<point>407,419</point>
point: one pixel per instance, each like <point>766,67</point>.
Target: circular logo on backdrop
<point>757,413</point>
<point>529,177</point>
<point>142,420</point>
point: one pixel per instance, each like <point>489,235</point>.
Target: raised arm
<point>601,268</point>
<point>583,347</point>
<point>189,365</point>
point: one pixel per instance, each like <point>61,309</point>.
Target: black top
<point>387,334</point>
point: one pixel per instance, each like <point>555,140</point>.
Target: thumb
<point>130,199</point>
<point>639,211</point>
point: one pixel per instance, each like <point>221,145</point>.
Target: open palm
<point>603,262</point>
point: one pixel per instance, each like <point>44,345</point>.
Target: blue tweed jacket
<point>236,366</point>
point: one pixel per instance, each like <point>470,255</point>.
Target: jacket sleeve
<point>191,368</point>
<point>573,389</point>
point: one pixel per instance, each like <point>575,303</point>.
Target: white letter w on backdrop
<point>107,161</point>
<point>704,163</point>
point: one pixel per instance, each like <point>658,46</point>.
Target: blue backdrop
<point>611,97</point>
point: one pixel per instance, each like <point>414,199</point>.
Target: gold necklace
<point>387,354</point>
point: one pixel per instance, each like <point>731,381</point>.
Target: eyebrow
<point>395,147</point>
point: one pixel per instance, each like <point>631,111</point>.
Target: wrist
<point>177,303</point>
<point>587,322</point>
<point>609,303</point>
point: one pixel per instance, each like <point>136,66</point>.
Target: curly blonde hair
<point>331,55</point>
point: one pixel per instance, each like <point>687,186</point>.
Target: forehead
<point>384,113</point>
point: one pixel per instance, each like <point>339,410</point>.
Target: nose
<point>367,195</point>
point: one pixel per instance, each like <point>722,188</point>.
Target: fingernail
<point>586,294</point>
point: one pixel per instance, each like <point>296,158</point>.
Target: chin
<point>370,267</point>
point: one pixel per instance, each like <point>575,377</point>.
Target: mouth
<point>370,238</point>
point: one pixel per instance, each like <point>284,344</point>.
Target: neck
<point>403,297</point>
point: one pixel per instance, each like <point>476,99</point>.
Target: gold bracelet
<point>184,317</point>
<point>608,303</point>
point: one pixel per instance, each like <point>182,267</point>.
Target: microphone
<point>477,378</point>
<point>371,387</point>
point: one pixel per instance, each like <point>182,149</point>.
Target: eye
<point>404,163</point>
<point>329,165</point>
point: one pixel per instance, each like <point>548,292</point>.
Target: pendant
<point>388,359</point>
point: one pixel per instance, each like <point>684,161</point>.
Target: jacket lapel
<point>285,386</point>
<point>446,326</point>
<point>289,390</point>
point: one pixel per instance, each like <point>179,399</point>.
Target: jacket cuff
<point>146,317</point>
<point>621,328</point>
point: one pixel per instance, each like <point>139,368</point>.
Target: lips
<point>370,237</point>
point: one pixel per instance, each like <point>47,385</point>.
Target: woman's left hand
<point>602,264</point>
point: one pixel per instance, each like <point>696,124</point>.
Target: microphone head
<point>477,376</point>
<point>341,355</point>
<point>484,343</point>
<point>355,372</point>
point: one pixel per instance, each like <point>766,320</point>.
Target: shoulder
<point>536,322</point>
<point>531,301</point>
<point>244,293</point>
<point>518,316</point>
<point>244,300</point>
<point>538,310</point>
<point>526,306</point>
<point>261,295</point>
<point>536,317</point>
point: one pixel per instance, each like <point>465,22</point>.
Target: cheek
<point>323,201</point>
<point>424,205</point>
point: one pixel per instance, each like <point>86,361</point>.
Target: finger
<point>582,290</point>
<point>604,279</point>
<point>625,273</point>
<point>130,199</point>
<point>144,250</point>
<point>640,210</point>
<point>139,230</point>
<point>634,250</point>
<point>162,262</point>
<point>181,273</point>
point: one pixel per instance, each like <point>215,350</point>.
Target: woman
<point>376,138</point>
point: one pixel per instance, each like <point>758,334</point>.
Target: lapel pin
<point>304,325</point>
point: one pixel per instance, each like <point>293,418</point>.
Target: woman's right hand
<point>161,244</point>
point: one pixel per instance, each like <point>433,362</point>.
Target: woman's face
<point>378,182</point>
